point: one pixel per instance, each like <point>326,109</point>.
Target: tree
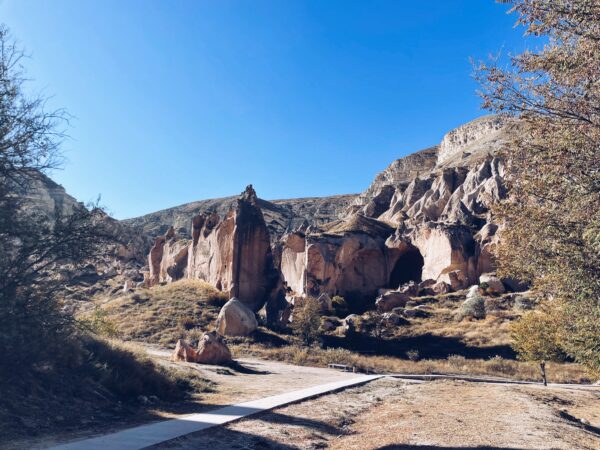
<point>552,218</point>
<point>536,338</point>
<point>34,328</point>
<point>306,319</point>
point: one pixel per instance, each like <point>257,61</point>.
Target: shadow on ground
<point>429,346</point>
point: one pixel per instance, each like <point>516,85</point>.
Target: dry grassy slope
<point>437,341</point>
<point>163,314</point>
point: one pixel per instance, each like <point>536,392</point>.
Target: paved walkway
<point>152,434</point>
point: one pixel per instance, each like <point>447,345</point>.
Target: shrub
<point>340,306</point>
<point>307,319</point>
<point>457,362</point>
<point>499,364</point>
<point>413,355</point>
<point>99,323</point>
<point>473,306</point>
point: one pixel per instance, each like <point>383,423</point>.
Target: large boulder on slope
<point>236,319</point>
<point>391,300</point>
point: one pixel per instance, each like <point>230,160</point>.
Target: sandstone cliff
<point>436,205</point>
<point>426,217</point>
<point>232,253</point>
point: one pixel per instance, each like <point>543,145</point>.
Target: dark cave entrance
<point>408,267</point>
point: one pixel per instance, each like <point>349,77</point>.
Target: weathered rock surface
<point>391,300</point>
<point>439,202</point>
<point>212,349</point>
<point>347,258</point>
<point>426,217</point>
<point>184,352</point>
<point>233,254</point>
<point>281,216</point>
<point>236,319</point>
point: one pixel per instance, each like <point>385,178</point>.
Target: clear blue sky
<point>176,101</point>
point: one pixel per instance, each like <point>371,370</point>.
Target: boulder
<point>391,300</point>
<point>330,323</point>
<point>441,287</point>
<point>212,349</point>
<point>184,352</point>
<point>425,287</point>
<point>350,324</point>
<point>393,318</point>
<point>493,283</point>
<point>326,303</point>
<point>236,319</point>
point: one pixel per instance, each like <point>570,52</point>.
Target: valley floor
<point>385,414</point>
<point>395,414</point>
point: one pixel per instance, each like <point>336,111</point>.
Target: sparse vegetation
<point>163,314</point>
<point>473,306</point>
<point>307,319</point>
<point>316,356</point>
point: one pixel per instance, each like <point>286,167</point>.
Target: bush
<point>457,362</point>
<point>499,364</point>
<point>340,306</point>
<point>306,319</point>
<point>473,306</point>
<point>413,355</point>
<point>99,323</point>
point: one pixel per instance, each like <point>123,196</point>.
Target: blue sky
<point>176,101</point>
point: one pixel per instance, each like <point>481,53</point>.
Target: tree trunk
<point>543,369</point>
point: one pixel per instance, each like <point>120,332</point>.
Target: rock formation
<point>434,206</point>
<point>424,218</point>
<point>347,258</point>
<point>212,349</point>
<point>235,319</point>
<point>233,254</point>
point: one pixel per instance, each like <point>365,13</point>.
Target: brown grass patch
<point>163,314</point>
<point>496,366</point>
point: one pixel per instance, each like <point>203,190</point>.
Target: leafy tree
<point>306,319</point>
<point>536,338</point>
<point>552,233</point>
<point>36,248</point>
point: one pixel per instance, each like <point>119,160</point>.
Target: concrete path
<point>152,434</point>
<point>486,379</point>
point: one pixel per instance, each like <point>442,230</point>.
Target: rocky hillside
<point>280,215</point>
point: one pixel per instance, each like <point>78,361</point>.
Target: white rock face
<point>469,138</point>
<point>236,319</point>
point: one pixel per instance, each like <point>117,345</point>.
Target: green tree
<point>306,319</point>
<point>552,218</point>
<point>536,338</point>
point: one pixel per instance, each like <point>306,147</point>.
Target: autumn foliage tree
<point>552,218</point>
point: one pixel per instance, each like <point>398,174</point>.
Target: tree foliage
<point>552,218</point>
<point>306,319</point>
<point>39,250</point>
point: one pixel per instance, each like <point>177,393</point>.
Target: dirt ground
<point>249,379</point>
<point>394,414</point>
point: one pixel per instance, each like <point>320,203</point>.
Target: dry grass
<point>443,319</point>
<point>496,366</point>
<point>163,314</point>
<point>107,382</point>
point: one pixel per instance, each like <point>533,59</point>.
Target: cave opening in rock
<point>408,267</point>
